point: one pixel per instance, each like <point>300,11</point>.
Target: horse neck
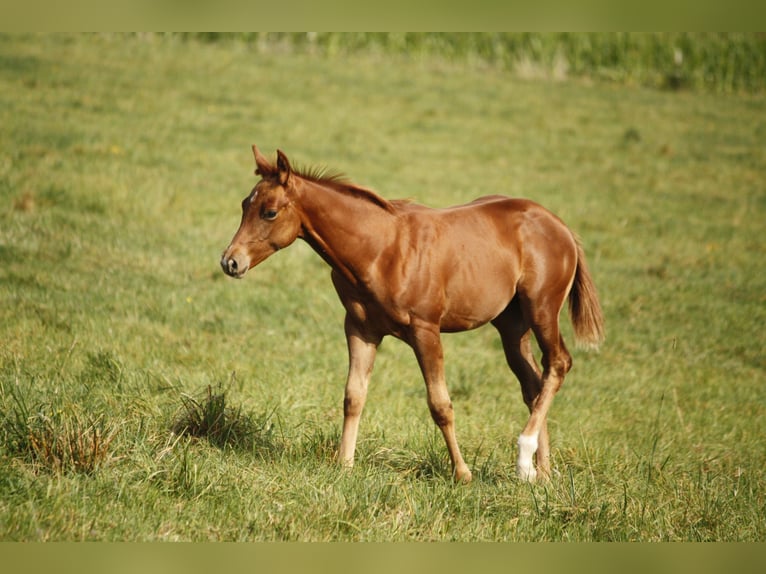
<point>347,229</point>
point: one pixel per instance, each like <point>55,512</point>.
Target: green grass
<point>122,164</point>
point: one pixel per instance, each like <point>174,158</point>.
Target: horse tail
<point>584,306</point>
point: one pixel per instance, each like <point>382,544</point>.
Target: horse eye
<point>269,214</point>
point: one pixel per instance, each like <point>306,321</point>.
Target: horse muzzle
<point>235,265</point>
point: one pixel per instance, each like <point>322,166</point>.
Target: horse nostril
<point>229,266</point>
<point>235,265</point>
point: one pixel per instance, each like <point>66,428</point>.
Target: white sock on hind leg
<point>525,467</point>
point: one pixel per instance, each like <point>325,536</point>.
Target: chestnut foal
<point>405,270</point>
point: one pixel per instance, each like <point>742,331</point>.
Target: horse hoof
<point>526,473</point>
<point>463,477</point>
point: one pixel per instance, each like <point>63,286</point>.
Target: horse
<point>414,272</point>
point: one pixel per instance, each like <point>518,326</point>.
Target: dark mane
<point>339,182</point>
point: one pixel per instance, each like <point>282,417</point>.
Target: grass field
<point>122,164</point>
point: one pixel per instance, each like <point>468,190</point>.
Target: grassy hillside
<point>122,164</point>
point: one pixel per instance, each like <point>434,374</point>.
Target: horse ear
<point>262,165</point>
<point>283,166</point>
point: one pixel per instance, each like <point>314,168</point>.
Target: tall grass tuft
<point>210,416</point>
<point>58,438</point>
<point>71,442</point>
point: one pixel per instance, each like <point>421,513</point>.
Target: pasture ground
<point>122,164</point>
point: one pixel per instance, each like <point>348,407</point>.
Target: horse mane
<point>339,182</point>
<point>336,181</point>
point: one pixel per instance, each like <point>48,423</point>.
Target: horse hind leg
<point>556,362</point>
<point>515,334</point>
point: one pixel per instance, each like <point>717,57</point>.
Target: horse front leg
<point>362,349</point>
<point>428,349</point>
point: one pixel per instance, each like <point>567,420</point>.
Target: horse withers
<point>413,272</point>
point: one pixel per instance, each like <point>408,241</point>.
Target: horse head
<point>270,220</point>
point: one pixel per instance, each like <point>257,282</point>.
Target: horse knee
<point>353,404</point>
<point>441,412</point>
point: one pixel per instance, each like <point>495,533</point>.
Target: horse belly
<point>471,306</point>
<point>473,267</point>
<point>480,276</point>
